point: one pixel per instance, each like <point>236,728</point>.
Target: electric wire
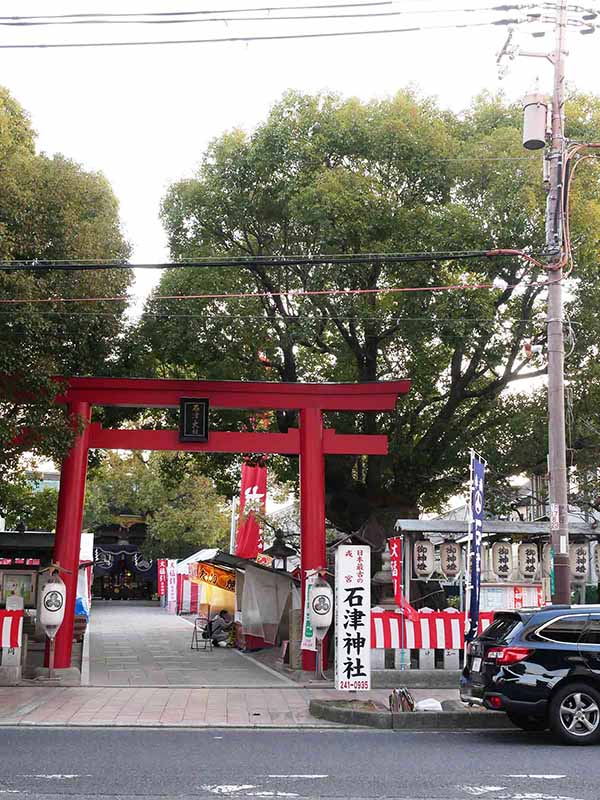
<point>270,38</point>
<point>228,19</point>
<point>196,12</point>
<point>290,293</point>
<point>330,259</point>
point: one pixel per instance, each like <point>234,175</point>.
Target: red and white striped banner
<point>188,595</point>
<point>11,628</point>
<point>436,630</point>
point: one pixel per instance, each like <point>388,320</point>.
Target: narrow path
<point>136,644</point>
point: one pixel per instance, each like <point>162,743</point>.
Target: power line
<point>244,39</point>
<point>198,12</point>
<point>294,318</point>
<point>35,265</point>
<point>35,22</point>
<point>290,294</point>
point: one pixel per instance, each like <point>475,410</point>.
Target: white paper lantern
<point>502,560</point>
<point>578,558</point>
<point>423,558</point>
<point>528,560</point>
<point>451,559</point>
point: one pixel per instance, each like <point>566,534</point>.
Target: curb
<point>332,711</point>
<point>416,678</point>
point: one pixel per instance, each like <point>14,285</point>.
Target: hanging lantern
<point>578,557</point>
<point>502,560</point>
<point>451,559</point>
<point>597,560</point>
<point>423,557</point>
<point>528,560</point>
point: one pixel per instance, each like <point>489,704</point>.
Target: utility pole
<point>559,521</point>
<point>534,138</point>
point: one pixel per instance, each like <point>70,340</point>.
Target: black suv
<point>541,667</point>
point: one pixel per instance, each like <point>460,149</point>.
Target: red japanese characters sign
<point>396,567</point>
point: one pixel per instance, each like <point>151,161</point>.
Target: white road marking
<point>537,777</point>
<point>57,777</point>
<point>227,788</point>
<point>308,777</point>
<point>478,791</point>
<point>540,796</point>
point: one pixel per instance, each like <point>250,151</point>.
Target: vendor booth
<point>260,598</point>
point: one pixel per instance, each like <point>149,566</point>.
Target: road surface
<point>55,763</point>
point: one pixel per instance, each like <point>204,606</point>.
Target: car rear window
<point>501,629</point>
<point>567,629</point>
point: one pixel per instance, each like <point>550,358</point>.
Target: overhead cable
<point>244,39</point>
<point>244,10</point>
<point>36,22</point>
<point>343,259</point>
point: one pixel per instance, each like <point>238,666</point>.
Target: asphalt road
<point>58,763</point>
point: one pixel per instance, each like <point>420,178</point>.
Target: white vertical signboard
<point>172,586</point>
<point>353,617</point>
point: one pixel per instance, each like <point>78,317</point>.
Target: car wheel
<point>528,723</point>
<point>574,714</point>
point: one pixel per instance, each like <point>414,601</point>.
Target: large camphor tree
<point>50,208</point>
<point>328,175</point>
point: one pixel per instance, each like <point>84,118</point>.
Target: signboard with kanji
<point>193,420</point>
<point>353,618</point>
<point>161,572</point>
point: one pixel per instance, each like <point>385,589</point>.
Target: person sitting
<point>220,626</point>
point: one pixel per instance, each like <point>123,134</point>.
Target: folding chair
<point>202,634</point>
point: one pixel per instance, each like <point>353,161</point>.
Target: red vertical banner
<point>161,572</point>
<point>253,500</point>
<point>396,567</point>
<point>396,556</point>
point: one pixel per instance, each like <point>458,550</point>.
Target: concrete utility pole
<point>559,522</point>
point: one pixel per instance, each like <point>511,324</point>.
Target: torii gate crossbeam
<point>311,442</point>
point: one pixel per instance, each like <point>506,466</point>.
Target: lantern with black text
<point>451,559</point>
<point>528,560</point>
<point>502,560</point>
<point>321,607</point>
<point>578,559</point>
<point>423,555</point>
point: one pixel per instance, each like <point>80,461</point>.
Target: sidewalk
<point>176,707</point>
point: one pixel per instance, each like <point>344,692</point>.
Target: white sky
<point>144,116</point>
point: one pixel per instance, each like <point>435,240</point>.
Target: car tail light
<point>508,655</point>
<point>495,701</point>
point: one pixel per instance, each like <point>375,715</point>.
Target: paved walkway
<point>132,644</point>
<point>174,707</point>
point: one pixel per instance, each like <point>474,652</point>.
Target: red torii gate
<point>311,441</point>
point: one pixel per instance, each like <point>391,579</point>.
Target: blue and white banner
<point>475,531</point>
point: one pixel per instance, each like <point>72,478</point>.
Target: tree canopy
<point>325,174</point>
<point>181,508</point>
<point>51,208</point>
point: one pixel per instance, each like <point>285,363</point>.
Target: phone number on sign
<point>353,685</point>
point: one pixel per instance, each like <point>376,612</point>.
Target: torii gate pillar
<point>312,504</point>
<point>67,539</point>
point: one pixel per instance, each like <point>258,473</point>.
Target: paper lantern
<point>502,560</point>
<point>423,557</point>
<point>528,560</point>
<point>578,558</point>
<point>597,560</point>
<point>451,559</point>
